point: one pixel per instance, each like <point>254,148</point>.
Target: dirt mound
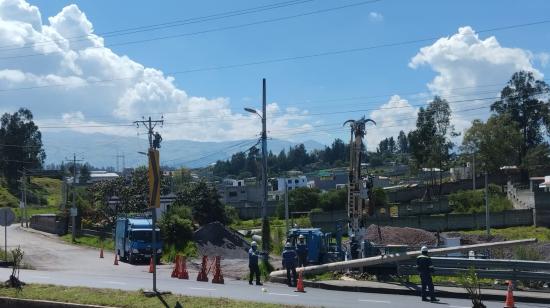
<point>401,236</point>
<point>215,239</point>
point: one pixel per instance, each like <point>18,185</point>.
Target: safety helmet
<point>253,244</point>
<point>288,245</point>
<point>301,236</point>
<point>424,249</point>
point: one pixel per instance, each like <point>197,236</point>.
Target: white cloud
<point>376,17</point>
<point>465,64</point>
<point>543,58</point>
<point>395,115</point>
<point>77,58</point>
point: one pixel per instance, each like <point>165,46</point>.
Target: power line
<point>164,25</point>
<point>277,60</point>
<point>159,38</point>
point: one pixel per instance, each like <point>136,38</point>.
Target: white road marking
<point>458,307</point>
<point>115,282</point>
<point>374,301</point>
<point>283,294</point>
<point>204,289</point>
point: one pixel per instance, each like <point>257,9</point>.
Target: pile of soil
<point>215,239</point>
<point>401,236</point>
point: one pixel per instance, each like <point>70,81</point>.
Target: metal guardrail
<point>493,269</point>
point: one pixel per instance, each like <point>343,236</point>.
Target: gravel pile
<point>401,236</point>
<point>215,239</point>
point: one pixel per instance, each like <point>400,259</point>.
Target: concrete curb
<point>32,303</point>
<point>415,291</point>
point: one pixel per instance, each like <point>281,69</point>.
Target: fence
<point>492,269</point>
<point>50,223</point>
<point>447,222</point>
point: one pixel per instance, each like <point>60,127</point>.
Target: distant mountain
<point>101,150</point>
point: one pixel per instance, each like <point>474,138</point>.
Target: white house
<point>292,182</point>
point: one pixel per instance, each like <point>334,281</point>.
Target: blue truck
<point>134,239</point>
<point>323,247</point>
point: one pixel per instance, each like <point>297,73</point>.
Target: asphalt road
<point>59,263</point>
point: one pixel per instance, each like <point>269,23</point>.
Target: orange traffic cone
<point>203,276</point>
<point>101,253</point>
<point>510,296</point>
<point>218,277</point>
<point>300,284</point>
<point>151,265</point>
<point>176,270</point>
<point>183,274</point>
<point>116,260</point>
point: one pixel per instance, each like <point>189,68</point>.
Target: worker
<point>425,269</point>
<point>253,255</point>
<point>289,263</point>
<point>301,250</point>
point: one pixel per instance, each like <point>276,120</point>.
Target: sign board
<point>74,212</point>
<point>7,216</point>
<point>154,178</point>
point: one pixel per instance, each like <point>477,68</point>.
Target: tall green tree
<point>522,99</point>
<point>20,145</point>
<point>204,203</point>
<point>402,142</point>
<point>495,143</point>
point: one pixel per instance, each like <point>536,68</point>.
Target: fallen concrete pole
<point>316,269</point>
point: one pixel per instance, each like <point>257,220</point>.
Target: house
<point>291,183</point>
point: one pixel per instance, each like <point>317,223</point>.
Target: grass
<point>447,280</point>
<point>119,298</point>
<point>91,241</point>
<point>7,199</point>
<point>515,233</point>
<point>169,253</point>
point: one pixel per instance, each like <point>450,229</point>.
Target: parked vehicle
<point>322,247</point>
<point>134,239</point>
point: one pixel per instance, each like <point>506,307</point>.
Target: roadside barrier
<point>218,277</point>
<point>509,303</point>
<point>203,275</point>
<point>182,274</point>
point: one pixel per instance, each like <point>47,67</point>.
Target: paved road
<point>69,265</point>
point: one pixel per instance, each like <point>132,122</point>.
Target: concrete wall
<point>50,223</point>
<point>448,222</point>
<point>252,211</point>
<point>542,207</point>
<point>417,207</point>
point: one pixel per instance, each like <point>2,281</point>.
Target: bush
<point>177,227</point>
<point>473,201</point>
<point>334,200</point>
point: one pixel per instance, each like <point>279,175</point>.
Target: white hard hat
<point>288,245</point>
<point>424,249</point>
<point>253,244</point>
<point>301,236</point>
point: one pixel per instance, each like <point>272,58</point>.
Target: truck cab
<point>134,239</point>
<point>321,247</point>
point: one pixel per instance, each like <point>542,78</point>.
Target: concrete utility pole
<point>487,220</point>
<point>150,125</point>
<point>73,208</point>
<point>474,170</point>
<point>286,205</point>
<point>23,203</point>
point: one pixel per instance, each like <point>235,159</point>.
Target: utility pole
<point>286,205</point>
<point>23,202</point>
<point>487,221</point>
<point>73,208</point>
<point>265,222</point>
<point>150,125</point>
<point>474,170</point>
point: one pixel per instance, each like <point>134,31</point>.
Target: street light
<point>251,110</point>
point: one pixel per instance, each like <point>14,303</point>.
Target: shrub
<point>177,227</point>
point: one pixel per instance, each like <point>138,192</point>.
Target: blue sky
<point>312,86</point>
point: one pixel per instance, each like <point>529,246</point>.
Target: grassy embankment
<point>47,192</point>
<point>118,298</point>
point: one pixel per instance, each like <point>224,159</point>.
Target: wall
<point>542,206</point>
<point>418,207</point>
<point>50,223</point>
<point>252,211</point>
<point>448,222</point>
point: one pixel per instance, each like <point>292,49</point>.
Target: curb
<point>32,303</point>
<point>411,290</point>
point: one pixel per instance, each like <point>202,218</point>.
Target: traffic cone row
<point>203,276</point>
<point>510,296</point>
<point>218,277</point>
<point>176,270</point>
<point>300,284</point>
<point>183,268</point>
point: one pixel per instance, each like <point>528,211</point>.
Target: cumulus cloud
<point>78,80</point>
<point>395,115</point>
<point>376,17</point>
<point>465,64</point>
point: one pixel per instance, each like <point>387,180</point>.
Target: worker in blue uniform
<point>301,250</point>
<point>425,269</point>
<point>289,263</point>
<point>253,255</point>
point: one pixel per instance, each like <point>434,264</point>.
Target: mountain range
<point>101,150</point>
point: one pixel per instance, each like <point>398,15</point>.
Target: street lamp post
<point>263,117</point>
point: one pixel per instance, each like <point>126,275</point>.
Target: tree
<point>303,199</point>
<point>85,175</point>
<point>520,99</point>
<point>176,226</point>
<point>402,143</point>
<point>537,160</point>
<point>20,144</point>
<point>334,200</point>
<point>495,143</point>
<point>204,203</point>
